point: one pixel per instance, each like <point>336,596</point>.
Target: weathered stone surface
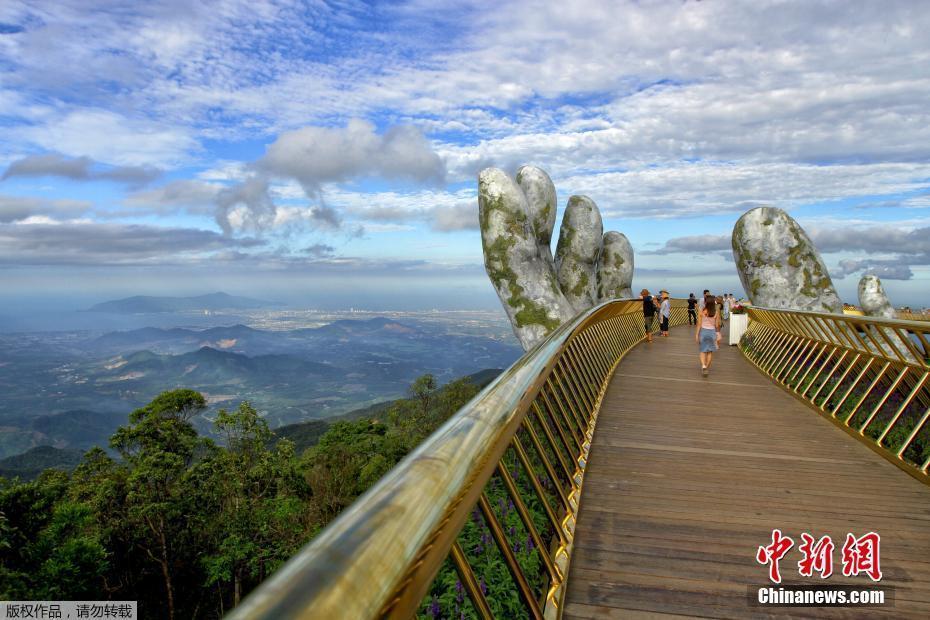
<point>541,201</point>
<point>615,268</point>
<point>779,266</point>
<point>872,298</point>
<point>577,252</point>
<point>520,270</point>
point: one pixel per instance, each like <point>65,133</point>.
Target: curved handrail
<point>379,557</point>
<point>896,340</point>
<point>869,375</point>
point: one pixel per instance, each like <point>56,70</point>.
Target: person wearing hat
<point>665,310</point>
<point>649,310</point>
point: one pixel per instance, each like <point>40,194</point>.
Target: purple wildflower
<point>512,531</point>
<point>459,587</point>
<point>516,547</point>
<point>509,505</point>
<point>529,543</point>
<point>435,609</point>
<point>483,586</point>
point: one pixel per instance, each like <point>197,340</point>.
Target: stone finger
<point>615,268</point>
<point>578,250</point>
<point>778,265</point>
<point>525,281</point>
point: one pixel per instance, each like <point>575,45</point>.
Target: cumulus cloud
<point>245,207</point>
<point>317,155</point>
<point>314,156</point>
<point>78,169</point>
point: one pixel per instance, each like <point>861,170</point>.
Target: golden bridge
<point>602,476</point>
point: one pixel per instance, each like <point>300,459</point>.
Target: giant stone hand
<point>872,298</point>
<point>517,217</point>
<point>778,265</point>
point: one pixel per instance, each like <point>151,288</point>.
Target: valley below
<point>72,389</point>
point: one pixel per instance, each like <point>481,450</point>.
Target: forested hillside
<point>187,526</point>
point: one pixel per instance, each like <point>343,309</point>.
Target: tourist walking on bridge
<point>706,333</point>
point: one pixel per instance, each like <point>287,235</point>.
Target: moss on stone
<point>581,285</point>
<point>534,314</point>
<point>794,256</point>
<point>540,229</point>
<point>554,283</point>
<point>566,235</point>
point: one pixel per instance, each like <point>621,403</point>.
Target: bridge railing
<point>870,376</point>
<point>480,518</point>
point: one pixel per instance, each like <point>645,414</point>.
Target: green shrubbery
<point>917,452</point>
<point>185,526</point>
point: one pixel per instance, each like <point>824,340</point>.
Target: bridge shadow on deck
<point>688,476</point>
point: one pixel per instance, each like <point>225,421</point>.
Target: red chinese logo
<point>817,556</point>
<point>860,555</point>
<point>773,553</point>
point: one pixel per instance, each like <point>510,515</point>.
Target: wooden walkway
<point>688,476</point>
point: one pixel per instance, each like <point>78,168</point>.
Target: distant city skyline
<point>328,153</point>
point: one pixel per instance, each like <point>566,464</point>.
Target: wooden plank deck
<point>688,476</point>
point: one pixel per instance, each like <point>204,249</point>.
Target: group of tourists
<point>707,314</point>
<point>655,308</point>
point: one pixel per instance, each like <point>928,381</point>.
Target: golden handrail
<point>380,556</point>
<point>869,375</point>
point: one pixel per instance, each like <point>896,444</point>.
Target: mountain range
<point>142,304</point>
<point>72,389</point>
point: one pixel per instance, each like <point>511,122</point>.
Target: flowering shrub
<point>447,597</point>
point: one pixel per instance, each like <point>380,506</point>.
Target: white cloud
<point>317,155</point>
<point>112,138</point>
<point>19,208</point>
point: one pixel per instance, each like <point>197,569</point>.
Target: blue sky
<point>327,152</point>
